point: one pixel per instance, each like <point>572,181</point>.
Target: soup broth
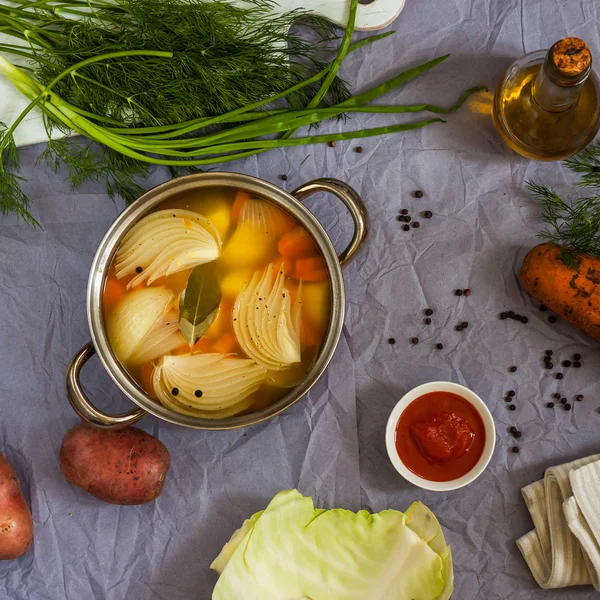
<point>217,303</point>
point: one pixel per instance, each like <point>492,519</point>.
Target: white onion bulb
<point>144,325</point>
<point>263,322</point>
<point>165,242</point>
<point>207,385</point>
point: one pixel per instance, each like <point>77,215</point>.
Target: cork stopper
<point>571,57</point>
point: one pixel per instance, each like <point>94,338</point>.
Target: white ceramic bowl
<point>484,413</point>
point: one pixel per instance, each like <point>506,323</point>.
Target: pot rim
<point>144,205</point>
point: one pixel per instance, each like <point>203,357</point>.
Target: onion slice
<point>206,385</point>
<point>144,325</point>
<point>263,322</point>
<point>165,242</point>
<point>160,340</point>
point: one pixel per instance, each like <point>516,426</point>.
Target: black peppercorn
<point>404,211</point>
<point>459,328</point>
<point>407,219</point>
<point>512,369</point>
<point>517,317</point>
<point>138,270</point>
<point>576,356</point>
<point>414,340</point>
<point>458,292</point>
<point>198,393</point>
<point>504,316</point>
<point>508,399</point>
<point>515,449</point>
<point>577,364</point>
<point>566,363</point>
<point>549,353</point>
<point>391,341</point>
<point>427,214</point>
<point>416,224</point>
<point>511,314</point>
<point>174,391</point>
<point>524,320</point>
<point>283,177</point>
<point>464,324</point>
<point>579,397</point>
<point>552,319</point>
<point>559,376</point>
<point>332,144</point>
<point>563,400</point>
<point>512,429</point>
<point>439,346</point>
<point>548,365</point>
<point>399,218</point>
<point>543,307</point>
<point>512,407</point>
<point>567,406</point>
<point>517,434</point>
<point>428,311</point>
<point>427,321</point>
<point>467,292</point>
<point>418,194</point>
<point>556,395</point>
<point>550,404</point>
<point>406,227</point>
<point>358,149</point>
<point>510,393</point>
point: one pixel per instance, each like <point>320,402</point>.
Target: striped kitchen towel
<point>564,547</point>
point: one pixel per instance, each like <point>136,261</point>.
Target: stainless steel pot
<point>148,202</point>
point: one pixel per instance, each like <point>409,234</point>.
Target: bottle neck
<point>553,90</point>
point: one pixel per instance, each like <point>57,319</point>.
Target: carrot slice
<point>113,292</point>
<point>240,198</point>
<point>227,344</point>
<point>313,263</point>
<point>297,243</point>
<point>320,275</point>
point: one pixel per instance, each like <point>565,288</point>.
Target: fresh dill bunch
<point>224,57</point>
<point>574,225</point>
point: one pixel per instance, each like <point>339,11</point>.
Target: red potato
<point>16,524</point>
<point>123,466</point>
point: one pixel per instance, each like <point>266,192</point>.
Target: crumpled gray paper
<point>331,444</point>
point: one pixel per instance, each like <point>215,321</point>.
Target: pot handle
<point>353,203</point>
<point>83,407</point>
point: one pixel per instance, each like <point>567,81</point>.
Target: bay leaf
<point>199,303</point>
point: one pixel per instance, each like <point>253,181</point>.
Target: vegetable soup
<point>217,303</point>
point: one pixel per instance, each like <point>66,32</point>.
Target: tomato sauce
<point>440,436</point>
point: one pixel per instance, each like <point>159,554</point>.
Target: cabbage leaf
<point>292,551</point>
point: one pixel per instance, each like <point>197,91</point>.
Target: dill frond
<point>574,225</point>
<point>12,197</point>
<point>96,163</point>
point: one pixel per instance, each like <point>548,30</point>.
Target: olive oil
<point>547,106</point>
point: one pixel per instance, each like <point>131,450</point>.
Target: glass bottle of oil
<point>547,106</point>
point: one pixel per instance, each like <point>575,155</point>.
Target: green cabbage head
<point>292,551</point>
